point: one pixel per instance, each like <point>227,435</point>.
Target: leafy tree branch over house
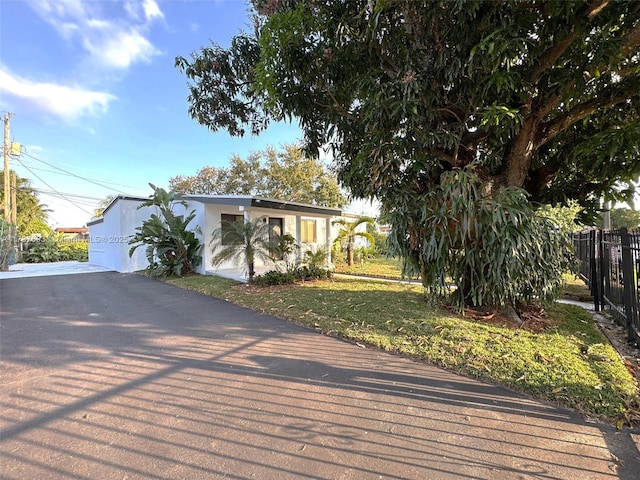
<point>513,103</point>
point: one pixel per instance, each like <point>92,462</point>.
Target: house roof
<point>239,200</point>
<point>72,230</point>
<point>119,197</point>
<point>261,202</point>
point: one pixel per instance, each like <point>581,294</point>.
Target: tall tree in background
<point>623,217</point>
<point>285,174</point>
<point>450,113</point>
<point>104,203</point>
<point>31,215</point>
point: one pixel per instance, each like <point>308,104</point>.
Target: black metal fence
<point>610,264</point>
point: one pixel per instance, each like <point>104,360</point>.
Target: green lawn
<point>373,267</point>
<point>570,363</point>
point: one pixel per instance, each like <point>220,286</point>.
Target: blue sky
<point>94,93</point>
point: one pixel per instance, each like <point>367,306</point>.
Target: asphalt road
<point>116,376</point>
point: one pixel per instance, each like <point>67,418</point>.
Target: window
<point>227,221</point>
<point>308,231</point>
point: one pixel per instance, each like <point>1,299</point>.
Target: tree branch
<point>632,42</point>
<point>595,8</point>
<point>607,98</point>
<point>339,107</point>
<point>551,56</point>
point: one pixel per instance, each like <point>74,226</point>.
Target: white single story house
<point>109,235</point>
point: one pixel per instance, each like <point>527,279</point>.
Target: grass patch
<point>575,288</point>
<point>381,267</point>
<point>570,363</point>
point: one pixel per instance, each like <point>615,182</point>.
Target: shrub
<point>274,277</point>
<point>312,272</point>
<point>304,273</point>
<point>78,251</point>
<point>45,250</point>
<point>380,243</point>
<point>53,248</point>
<point>315,257</point>
<point>8,244</point>
<point>364,253</point>
<point>171,248</point>
<point>489,243</point>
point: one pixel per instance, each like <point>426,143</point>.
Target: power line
<point>62,196</point>
<point>71,174</point>
<point>75,195</point>
<point>41,169</point>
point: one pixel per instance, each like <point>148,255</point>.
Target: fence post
<point>628,276</point>
<point>601,266</point>
<point>594,280</point>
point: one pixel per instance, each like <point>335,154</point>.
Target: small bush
<point>312,272</point>
<point>78,251</point>
<point>380,244</point>
<point>53,248</point>
<point>316,257</point>
<point>47,249</point>
<point>274,277</point>
<point>8,242</point>
<point>364,253</point>
<point>304,273</point>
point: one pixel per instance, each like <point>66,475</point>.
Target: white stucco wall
<point>199,225</point>
<point>109,238</point>
<point>290,226</point>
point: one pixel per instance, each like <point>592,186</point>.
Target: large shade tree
<point>450,113</point>
<point>284,174</point>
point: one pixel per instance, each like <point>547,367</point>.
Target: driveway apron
<point>116,376</point>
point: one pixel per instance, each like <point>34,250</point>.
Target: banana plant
<point>171,247</point>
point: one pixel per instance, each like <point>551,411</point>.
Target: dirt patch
<point>254,289</point>
<point>534,318</point>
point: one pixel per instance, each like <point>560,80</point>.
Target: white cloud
<point>152,10</point>
<point>114,35</point>
<point>66,102</point>
<point>120,49</point>
<point>145,9</point>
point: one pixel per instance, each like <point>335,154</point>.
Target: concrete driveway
<point>115,376</point>
<point>22,270</point>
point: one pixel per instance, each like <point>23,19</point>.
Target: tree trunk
<point>349,250</point>
<point>518,158</point>
<point>252,272</point>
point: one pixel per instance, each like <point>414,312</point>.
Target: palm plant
<point>348,233</point>
<point>242,243</point>
<point>316,257</point>
<point>172,248</point>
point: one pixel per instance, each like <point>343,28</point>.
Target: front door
<point>276,226</point>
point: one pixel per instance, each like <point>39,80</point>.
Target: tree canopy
<point>414,96</point>
<point>31,215</point>
<point>541,95</point>
<point>285,174</point>
<point>623,217</point>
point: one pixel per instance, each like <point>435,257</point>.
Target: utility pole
<point>14,199</point>
<point>7,188</point>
